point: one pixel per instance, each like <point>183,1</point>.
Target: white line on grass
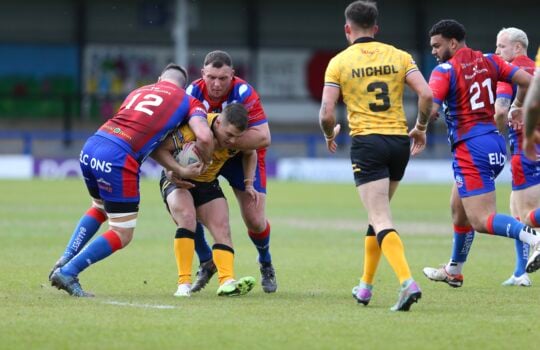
<point>144,306</point>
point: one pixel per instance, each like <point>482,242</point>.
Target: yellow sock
<point>184,249</point>
<point>224,259</point>
<point>393,250</point>
<point>372,255</point>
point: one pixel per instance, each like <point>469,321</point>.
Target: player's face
<point>441,48</point>
<point>226,134</point>
<point>505,48</point>
<point>218,80</point>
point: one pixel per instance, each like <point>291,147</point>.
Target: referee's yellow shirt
<point>371,76</point>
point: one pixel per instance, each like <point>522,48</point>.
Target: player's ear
<point>375,29</point>
<point>202,72</point>
<point>347,29</point>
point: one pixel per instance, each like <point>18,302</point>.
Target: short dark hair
<point>218,59</point>
<point>237,115</point>
<point>174,66</point>
<point>362,13</point>
<point>449,29</point>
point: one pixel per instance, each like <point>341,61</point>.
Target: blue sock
<point>522,255</point>
<point>204,252</point>
<point>97,250</point>
<point>504,225</point>
<point>261,241</point>
<point>463,239</point>
<point>86,228</point>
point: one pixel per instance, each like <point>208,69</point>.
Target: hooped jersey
<point>465,85</point>
<point>148,115</point>
<point>240,92</point>
<point>371,76</point>
<point>184,135</point>
<point>507,90</point>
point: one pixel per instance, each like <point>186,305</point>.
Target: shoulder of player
<point>523,61</point>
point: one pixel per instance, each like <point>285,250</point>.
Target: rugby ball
<point>188,155</point>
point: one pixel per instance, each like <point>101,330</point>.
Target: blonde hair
<point>516,35</point>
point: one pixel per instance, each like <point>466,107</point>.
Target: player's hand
<point>252,192</point>
<point>330,141</point>
<point>178,181</point>
<point>515,118</point>
<point>191,171</point>
<point>418,141</point>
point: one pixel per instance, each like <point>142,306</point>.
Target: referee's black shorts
<point>377,156</point>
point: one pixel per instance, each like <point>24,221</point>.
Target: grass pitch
<point>317,242</point>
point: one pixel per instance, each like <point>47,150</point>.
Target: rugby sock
<point>372,255</point>
<point>522,255</point>
<point>393,251</point>
<point>534,218</point>
<point>463,239</point>
<point>261,241</point>
<point>507,226</point>
<point>184,249</point>
<point>97,250</point>
<point>204,252</point>
<point>223,256</point>
<point>86,228</point>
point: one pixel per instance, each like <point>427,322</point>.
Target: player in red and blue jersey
<point>110,162</point>
<point>217,88</point>
<point>524,200</point>
<point>465,82</point>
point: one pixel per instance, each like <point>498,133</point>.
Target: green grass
<point>317,239</point>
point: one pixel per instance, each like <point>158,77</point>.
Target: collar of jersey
<point>364,39</point>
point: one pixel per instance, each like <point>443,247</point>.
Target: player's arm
<point>255,137</point>
<point>204,137</point>
<point>418,84</point>
<point>327,116</point>
<point>249,165</point>
<point>522,79</point>
<point>531,108</point>
<point>502,107</point>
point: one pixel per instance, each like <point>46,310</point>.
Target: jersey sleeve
<point>250,99</point>
<point>504,90</point>
<point>196,108</point>
<point>538,58</point>
<point>505,70</point>
<point>331,76</point>
<point>409,63</point>
<point>439,82</point>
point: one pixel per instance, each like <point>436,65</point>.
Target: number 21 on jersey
<point>476,91</point>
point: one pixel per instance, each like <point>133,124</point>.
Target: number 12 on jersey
<point>148,100</point>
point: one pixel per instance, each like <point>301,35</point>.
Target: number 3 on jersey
<point>476,92</point>
<point>381,96</point>
<point>148,100</point>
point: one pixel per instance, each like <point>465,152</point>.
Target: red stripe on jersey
<point>517,170</point>
<point>471,175</point>
<point>261,164</point>
<point>130,179</point>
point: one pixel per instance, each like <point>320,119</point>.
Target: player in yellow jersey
<point>205,201</point>
<point>371,77</point>
<point>531,109</point>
